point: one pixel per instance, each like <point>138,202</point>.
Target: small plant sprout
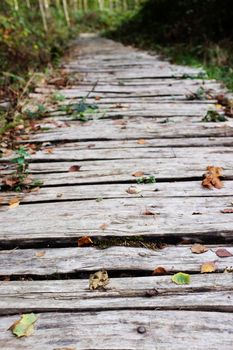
<point>146,180</point>
<point>19,180</point>
<point>213,117</point>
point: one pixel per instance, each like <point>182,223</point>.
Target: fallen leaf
<point>212,177</point>
<point>198,248</point>
<point>35,189</point>
<point>120,122</point>
<point>138,174</point>
<point>40,254</point>
<point>48,150</point>
<point>14,202</point>
<point>133,190</point>
<point>27,181</point>
<point>208,267</point>
<point>1,201</point>
<point>59,195</point>
<point>24,326</point>
<point>181,278</point>
<point>97,98</point>
<point>74,168</point>
<point>141,141</point>
<point>227,211</point>
<point>103,226</point>
<point>148,212</point>
<point>98,279</point>
<point>10,181</point>
<point>223,253</point>
<point>84,241</point>
<point>159,271</point>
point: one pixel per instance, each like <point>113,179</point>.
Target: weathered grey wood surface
<point>135,129</point>
<point>161,189</point>
<point>145,123</point>
<point>206,292</point>
<point>182,217</point>
<point>76,260</point>
<point>119,330</point>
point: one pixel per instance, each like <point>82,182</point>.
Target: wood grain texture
<point>118,330</point>
<point>135,129</point>
<point>73,260</point>
<point>81,192</point>
<point>205,292</point>
<point>124,217</point>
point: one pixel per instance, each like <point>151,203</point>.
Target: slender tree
<point>42,11</point>
<point>65,7</point>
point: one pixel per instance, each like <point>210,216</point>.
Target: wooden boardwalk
<point>144,125</point>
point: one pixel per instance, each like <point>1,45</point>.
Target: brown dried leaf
<point>208,267</point>
<point>98,280</point>
<point>159,271</point>
<point>40,254</point>
<point>14,202</point>
<point>148,212</point>
<point>223,253</point>
<point>198,248</point>
<point>141,141</point>
<point>138,174</point>
<point>227,211</point>
<point>84,241</point>
<point>103,226</point>
<point>212,177</point>
<point>10,181</point>
<point>133,190</point>
<point>97,98</point>
<point>49,150</point>
<point>74,168</point>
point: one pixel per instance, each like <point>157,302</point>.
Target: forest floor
<point>110,234</point>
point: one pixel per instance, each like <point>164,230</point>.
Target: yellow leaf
<point>40,254</point>
<point>98,279</point>
<point>208,267</point>
<point>141,142</point>
<point>14,202</point>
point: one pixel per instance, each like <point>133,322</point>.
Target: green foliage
<point>192,32</point>
<point>213,117</point>
<point>24,43</point>
<point>79,111</point>
<point>146,180</point>
<point>40,112</point>
<point>21,160</point>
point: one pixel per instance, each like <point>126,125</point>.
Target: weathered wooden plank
<point>148,143</point>
<point>162,189</point>
<point>135,129</point>
<point>120,330</point>
<point>74,260</point>
<point>205,292</point>
<point>213,154</point>
<point>123,217</point>
<point>123,169</point>
<point>178,86</point>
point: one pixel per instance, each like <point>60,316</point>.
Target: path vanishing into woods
<point>144,129</point>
